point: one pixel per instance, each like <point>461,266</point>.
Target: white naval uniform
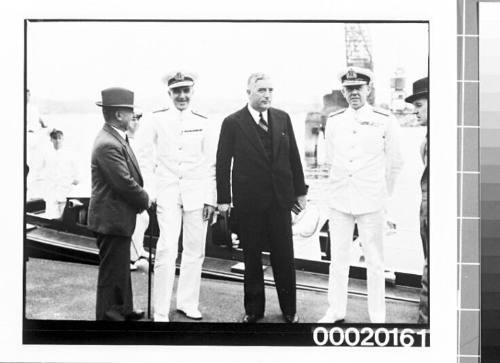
<point>37,143</point>
<point>183,181</point>
<point>362,148</point>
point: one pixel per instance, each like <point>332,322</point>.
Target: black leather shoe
<point>113,315</point>
<point>250,318</point>
<point>292,319</point>
<point>135,315</point>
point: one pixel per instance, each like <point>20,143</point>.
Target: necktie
<point>263,123</point>
<point>126,139</point>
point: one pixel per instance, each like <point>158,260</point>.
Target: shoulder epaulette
<point>337,112</point>
<point>198,114</point>
<point>381,111</point>
<point>162,110</point>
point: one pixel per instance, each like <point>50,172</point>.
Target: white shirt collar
<point>180,114</point>
<point>120,132</point>
<point>255,114</point>
<point>365,108</point>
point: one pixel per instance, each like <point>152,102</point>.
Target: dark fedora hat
<point>420,89</point>
<point>116,97</point>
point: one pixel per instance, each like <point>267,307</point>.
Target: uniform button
<point>180,147</point>
<point>354,131</point>
<point>180,177</point>
<point>350,161</point>
<point>350,175</point>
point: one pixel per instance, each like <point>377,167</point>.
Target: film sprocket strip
<point>470,261</point>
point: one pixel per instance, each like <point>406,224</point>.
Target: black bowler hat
<point>420,90</point>
<point>116,97</point>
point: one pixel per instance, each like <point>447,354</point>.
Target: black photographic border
<point>176,333</point>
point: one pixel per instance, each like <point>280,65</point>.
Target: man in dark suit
<point>420,99</point>
<point>117,197</point>
<point>267,180</point>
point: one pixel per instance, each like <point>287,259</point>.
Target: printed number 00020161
<point>367,337</point>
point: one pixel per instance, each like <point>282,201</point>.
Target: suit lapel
<point>247,124</point>
<point>128,149</point>
<point>276,127</point>
<point>134,160</point>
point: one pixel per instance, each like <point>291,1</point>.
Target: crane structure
<point>358,50</point>
<point>358,46</point>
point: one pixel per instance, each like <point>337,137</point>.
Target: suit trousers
<point>137,245</point>
<point>170,218</point>
<point>370,228</point>
<point>423,309</point>
<point>272,225</point>
<point>114,286</point>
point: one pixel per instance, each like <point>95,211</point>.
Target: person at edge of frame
<point>117,196</point>
<point>36,131</point>
<point>267,181</point>
<point>139,257</point>
<point>362,147</point>
<point>419,99</point>
<point>184,142</point>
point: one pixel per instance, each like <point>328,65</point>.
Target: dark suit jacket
<point>257,180</point>
<point>117,193</point>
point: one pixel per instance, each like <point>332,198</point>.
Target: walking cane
<point>150,249</point>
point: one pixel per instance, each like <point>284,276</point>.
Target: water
<point>403,251</point>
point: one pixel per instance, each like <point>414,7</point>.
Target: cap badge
<point>179,76</point>
<point>351,74</point>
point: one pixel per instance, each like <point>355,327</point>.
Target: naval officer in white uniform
<point>180,145</point>
<point>362,146</point>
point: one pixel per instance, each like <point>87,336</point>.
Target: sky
<point>73,61</point>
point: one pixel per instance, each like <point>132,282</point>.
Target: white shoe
<point>133,267</point>
<point>330,318</point>
<point>191,313</point>
<point>161,319</point>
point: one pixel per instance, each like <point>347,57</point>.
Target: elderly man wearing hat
<point>179,147</point>
<point>363,152</point>
<point>117,196</point>
<point>419,99</point>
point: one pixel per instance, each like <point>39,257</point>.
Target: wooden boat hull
<point>68,239</point>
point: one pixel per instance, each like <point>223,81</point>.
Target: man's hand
<point>302,202</point>
<point>224,209</point>
<point>151,202</point>
<point>208,212</point>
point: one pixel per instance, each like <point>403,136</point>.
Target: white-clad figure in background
<point>139,257</point>
<point>36,138</point>
<point>59,173</point>
<point>185,143</point>
<point>362,148</point>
